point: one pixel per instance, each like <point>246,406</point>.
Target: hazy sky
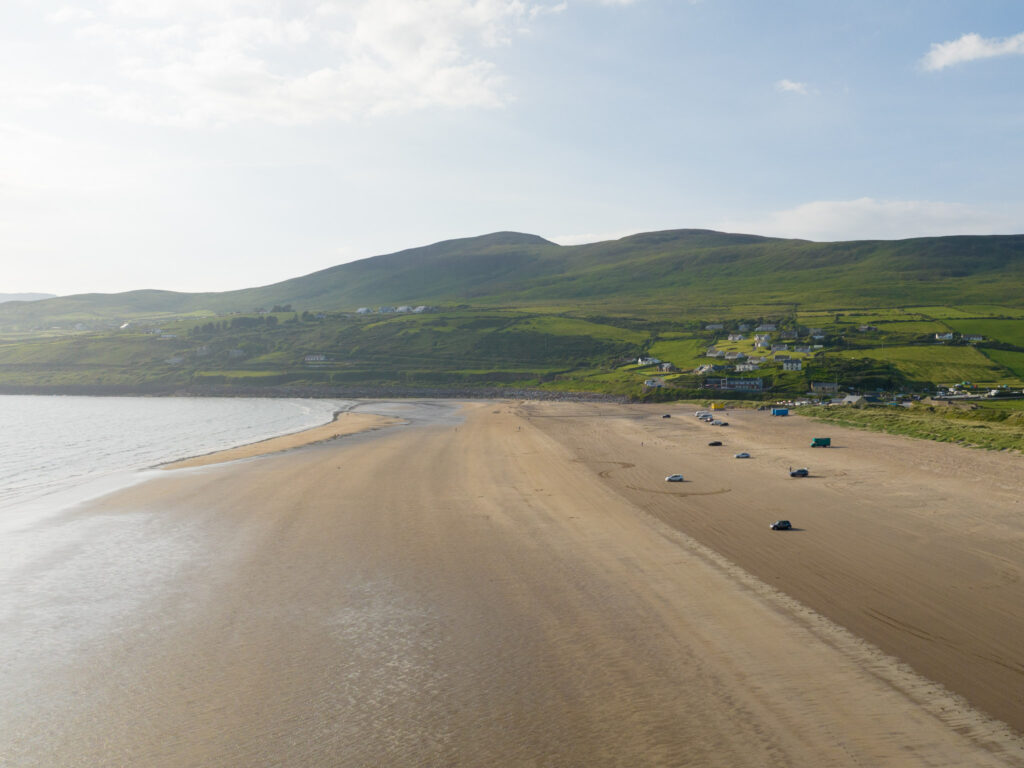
<point>216,144</point>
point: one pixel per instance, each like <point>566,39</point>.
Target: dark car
<point>667,416</point>
<point>715,442</point>
<point>781,525</point>
<point>798,472</point>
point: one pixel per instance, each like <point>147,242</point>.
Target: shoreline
<point>345,422</point>
<point>531,591</point>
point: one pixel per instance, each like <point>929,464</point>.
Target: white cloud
<point>869,219</point>
<point>197,62</point>
<point>791,86</point>
<point>970,48</point>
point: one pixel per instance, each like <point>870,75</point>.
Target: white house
<point>745,367</point>
<point>943,336</point>
<point>654,383</point>
<point>712,352</point>
<point>714,327</point>
<point>792,365</point>
<point>364,311</point>
<point>973,337</point>
<point>765,327</point>
<point>647,361</point>
<point>735,337</point>
<point>315,358</point>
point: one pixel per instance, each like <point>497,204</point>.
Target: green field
<point>684,354</point>
<point>1012,361</point>
<point>1006,331</point>
<point>936,362</point>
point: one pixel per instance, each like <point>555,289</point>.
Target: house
<point>755,359</point>
<point>364,311</point>
<point>314,358</point>
<point>766,327</point>
<point>746,367</point>
<point>853,400</point>
<point>654,383</point>
<point>712,352</point>
<point>735,356</point>
<point>781,358</point>
<point>802,350</point>
<point>780,347</point>
<point>735,337</point>
<point>792,365</point>
<point>420,309</point>
<point>743,327</point>
<point>404,308</point>
<point>972,337</point>
<point>386,310</point>
<point>739,385</point>
<point>943,336</point>
<point>762,337</point>
<point>667,368</point>
<point>714,327</point>
<point>824,387</point>
<point>788,334</point>
<point>647,361</point>
<point>762,344</point>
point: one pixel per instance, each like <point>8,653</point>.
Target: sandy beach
<point>515,584</point>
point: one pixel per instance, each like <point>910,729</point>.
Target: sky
<point>208,145</point>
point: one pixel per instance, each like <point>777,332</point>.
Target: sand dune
<point>523,589</point>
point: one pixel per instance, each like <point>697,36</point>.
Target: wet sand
<point>522,588</point>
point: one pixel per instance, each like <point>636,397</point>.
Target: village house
<point>386,310</point>
<point>714,327</point>
<point>364,311</point>
<point>743,327</point>
<point>735,337</point>
<point>781,358</point>
<point>654,383</point>
<point>943,336</point>
<point>738,385</point>
<point>766,327</point>
<point>803,350</point>
<point>315,358</point>
<point>712,352</point>
<point>824,387</point>
<point>735,356</point>
<point>780,347</point>
<point>972,337</point>
<point>746,367</point>
<point>788,335</point>
<point>755,359</point>
<point>647,361</point>
<point>405,308</point>
<point>667,368</point>
<point>792,365</point>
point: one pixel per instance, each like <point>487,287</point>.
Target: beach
<point>515,584</point>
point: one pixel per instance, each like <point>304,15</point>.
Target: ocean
<point>55,451</point>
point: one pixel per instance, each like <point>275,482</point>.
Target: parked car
<point>715,442</point>
<point>743,455</point>
<point>667,416</point>
<point>802,472</point>
<point>674,479</point>
<point>782,525</point>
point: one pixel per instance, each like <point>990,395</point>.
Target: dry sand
<point>524,589</point>
<point>344,423</point>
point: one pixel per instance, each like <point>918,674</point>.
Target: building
<point>364,311</point>
<point>766,327</point>
<point>824,387</point>
<point>714,327</point>
<point>743,327</point>
<point>647,361</point>
<point>712,352</point>
<point>735,337</point>
<point>654,383</point>
<point>780,347</point>
<point>746,367</point>
<point>736,385</point>
<point>792,365</point>
<point>972,337</point>
<point>315,358</point>
<point>788,334</point>
<point>943,336</point>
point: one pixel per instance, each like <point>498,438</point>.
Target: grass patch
<point>682,353</point>
<point>973,428</point>
<point>935,362</point>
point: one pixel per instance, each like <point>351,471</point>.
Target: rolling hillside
<point>515,309</point>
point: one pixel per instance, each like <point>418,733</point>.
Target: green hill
<point>516,308</point>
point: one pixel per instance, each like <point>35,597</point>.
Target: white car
<point>674,479</point>
<point>743,455</point>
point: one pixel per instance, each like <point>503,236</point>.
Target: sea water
<point>59,449</point>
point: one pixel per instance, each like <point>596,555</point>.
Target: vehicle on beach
<point>719,423</point>
<point>802,472</point>
<point>821,442</point>
<point>743,455</point>
<point>781,525</point>
<point>674,479</point>
<point>701,414</point>
<point>715,442</point>
<point>667,416</point>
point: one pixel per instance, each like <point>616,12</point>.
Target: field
<point>936,362</point>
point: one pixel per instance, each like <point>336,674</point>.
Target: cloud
<point>791,86</point>
<point>867,218</point>
<point>971,47</point>
<point>199,62</point>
